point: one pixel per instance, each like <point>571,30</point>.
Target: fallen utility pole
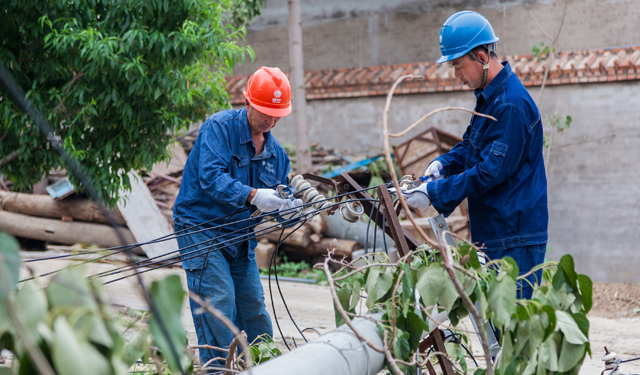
<point>335,352</point>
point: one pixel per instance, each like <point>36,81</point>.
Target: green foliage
<point>546,334</point>
<point>9,264</point>
<point>262,349</point>
<point>168,296</point>
<point>71,324</point>
<point>541,49</point>
<point>555,124</point>
<point>114,79</point>
<point>243,12</point>
<point>290,269</point>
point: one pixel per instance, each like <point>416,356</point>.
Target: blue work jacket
<point>220,172</point>
<point>499,167</point>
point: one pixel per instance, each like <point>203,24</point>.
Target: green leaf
<point>168,295</point>
<point>507,354</point>
<point>483,303</point>
<point>449,294</point>
<point>9,264</point>
<point>415,327</point>
<point>502,300</point>
<point>135,348</point>
<point>430,283</point>
<point>69,289</point>
<point>552,320</point>
<point>32,305</point>
<point>566,262</point>
<point>570,355</point>
<point>473,260</point>
<point>570,328</point>
<point>512,268</point>
<point>549,351</point>
<point>407,289</point>
<point>379,282</point>
<point>343,293</point>
<point>355,295</point>
<point>582,322</point>
<point>586,291</point>
<point>66,350</point>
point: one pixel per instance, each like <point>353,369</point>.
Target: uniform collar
<point>246,137</point>
<point>497,83</point>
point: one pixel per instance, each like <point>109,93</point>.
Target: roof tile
<point>575,67</point>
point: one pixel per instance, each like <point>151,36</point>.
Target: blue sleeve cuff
<point>244,194</point>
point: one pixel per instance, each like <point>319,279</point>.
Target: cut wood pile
<point>305,243</point>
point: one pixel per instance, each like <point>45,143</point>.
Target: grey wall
<point>352,33</point>
<point>594,178</point>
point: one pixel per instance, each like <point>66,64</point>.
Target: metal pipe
<point>337,352</point>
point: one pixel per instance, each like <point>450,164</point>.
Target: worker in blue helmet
<point>498,166</point>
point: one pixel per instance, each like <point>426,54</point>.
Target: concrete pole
<point>337,352</point>
<point>296,64</point>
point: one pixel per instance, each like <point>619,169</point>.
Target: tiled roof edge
<point>586,66</point>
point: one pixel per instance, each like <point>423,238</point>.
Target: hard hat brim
<point>273,112</point>
<point>447,58</point>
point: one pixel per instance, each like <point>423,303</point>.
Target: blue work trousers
<point>232,285</point>
<point>526,257</point>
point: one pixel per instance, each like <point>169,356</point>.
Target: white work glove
<point>267,200</point>
<point>288,208</point>
<point>418,197</point>
<point>434,170</point>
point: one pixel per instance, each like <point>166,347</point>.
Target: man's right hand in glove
<point>267,200</point>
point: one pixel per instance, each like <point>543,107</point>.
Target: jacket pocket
<point>474,148</point>
<point>239,166</point>
<point>493,163</point>
<point>269,180</point>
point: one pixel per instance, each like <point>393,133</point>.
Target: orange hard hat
<point>268,90</point>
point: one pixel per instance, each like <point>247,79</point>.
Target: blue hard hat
<point>463,32</point>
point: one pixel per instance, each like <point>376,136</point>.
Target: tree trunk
<point>342,248</point>
<point>62,232</point>
<point>79,209</point>
<point>43,206</point>
<point>296,64</point>
<point>300,237</point>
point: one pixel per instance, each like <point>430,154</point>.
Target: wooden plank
<point>144,218</point>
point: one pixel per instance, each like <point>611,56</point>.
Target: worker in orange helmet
<point>232,170</point>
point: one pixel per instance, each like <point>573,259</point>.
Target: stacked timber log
<point>305,242</point>
<point>67,222</point>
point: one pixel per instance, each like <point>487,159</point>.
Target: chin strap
<point>485,65</point>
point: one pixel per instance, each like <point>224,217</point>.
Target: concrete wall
<point>594,179</point>
<point>352,33</point>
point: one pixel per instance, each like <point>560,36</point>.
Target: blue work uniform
<point>499,167</point>
<point>221,171</point>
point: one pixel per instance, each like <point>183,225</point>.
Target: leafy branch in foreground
<point>67,328</point>
<point>547,334</point>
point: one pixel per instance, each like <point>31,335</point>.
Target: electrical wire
<point>278,283</point>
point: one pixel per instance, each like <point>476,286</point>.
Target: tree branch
<point>73,82</point>
<point>9,158</point>
<point>227,323</point>
<point>471,308</point>
<point>232,350</point>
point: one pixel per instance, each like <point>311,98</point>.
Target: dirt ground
<point>615,318</point>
